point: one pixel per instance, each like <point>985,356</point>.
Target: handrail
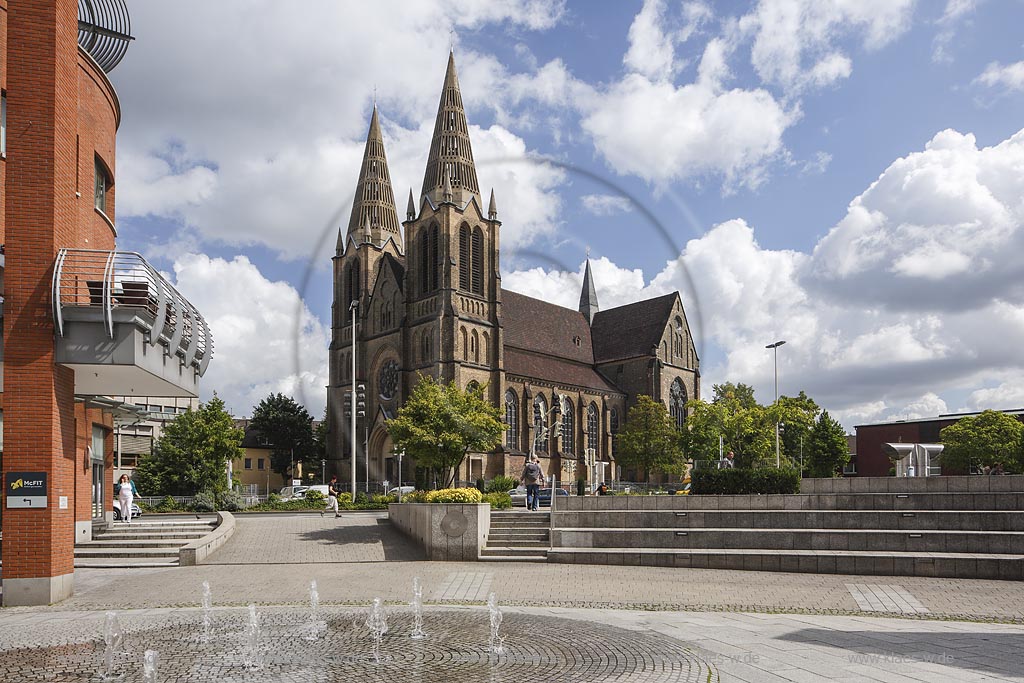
<point>124,280</point>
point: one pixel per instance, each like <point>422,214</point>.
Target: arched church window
<point>593,428</point>
<point>613,419</point>
<point>540,425</point>
<point>677,402</point>
<point>511,421</point>
<point>473,386</point>
<point>351,289</point>
<point>465,249</point>
<point>465,343</point>
<point>387,380</point>
<point>474,346</point>
<point>478,262</point>
<point>568,426</point>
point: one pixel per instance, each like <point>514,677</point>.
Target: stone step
<point>518,533</point>
<point>87,551</point>
<point>170,537</point>
<point>944,565</point>
<point>945,520</point>
<point>991,542</point>
<point>514,553</point>
<point>814,501</point>
<point>112,563</point>
<point>538,545</point>
<point>134,543</point>
<point>523,526</point>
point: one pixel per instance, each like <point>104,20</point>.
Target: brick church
<point>425,298</point>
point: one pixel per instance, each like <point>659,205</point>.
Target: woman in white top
<point>126,491</point>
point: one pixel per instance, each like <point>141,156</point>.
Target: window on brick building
<point>3,124</point>
<point>568,427</point>
<point>248,463</point>
<point>512,421</point>
<point>103,184</point>
<point>677,403</point>
<point>261,464</point>
<point>593,428</point>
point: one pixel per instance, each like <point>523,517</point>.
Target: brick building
<point>871,461</point>
<point>81,321</point>
<point>425,297</point>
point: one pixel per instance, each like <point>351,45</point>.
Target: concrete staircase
<point>955,533</point>
<point>518,536</point>
<point>143,543</point>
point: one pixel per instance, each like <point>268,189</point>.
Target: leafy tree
<point>989,438</point>
<point>649,439</point>
<point>739,392</point>
<point>829,451</point>
<point>746,430</point>
<point>439,424</point>
<point>288,428</point>
<point>192,454</point>
<point>797,416</point>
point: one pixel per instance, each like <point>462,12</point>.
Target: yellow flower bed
<point>467,495</point>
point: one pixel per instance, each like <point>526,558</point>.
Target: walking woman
<point>125,491</point>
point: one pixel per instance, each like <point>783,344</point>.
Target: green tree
<point>288,428</point>
<point>829,451</point>
<point>797,415</point>
<point>989,438</point>
<point>649,439</point>
<point>739,392</point>
<point>746,430</point>
<point>439,424</point>
<point>192,454</point>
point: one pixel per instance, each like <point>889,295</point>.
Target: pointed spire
<point>374,202</point>
<point>492,208</point>
<point>410,211</point>
<point>450,150</point>
<point>588,297</point>
<point>340,246</point>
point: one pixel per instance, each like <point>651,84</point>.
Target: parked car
<point>518,496</point>
<point>545,496</point>
<point>292,492</point>
<point>401,490</point>
<point>136,510</point>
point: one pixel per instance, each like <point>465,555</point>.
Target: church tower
<point>372,236</point>
<point>453,287</point>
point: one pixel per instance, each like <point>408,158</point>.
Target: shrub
<point>344,498</point>
<point>415,497</point>
<point>315,498</point>
<point>204,501</point>
<point>383,498</point>
<point>762,480</point>
<point>454,496</point>
<point>231,501</point>
<point>168,504</point>
<point>274,498</point>
<point>502,484</point>
<point>499,500</point>
<point>361,498</point>
<point>480,485</point>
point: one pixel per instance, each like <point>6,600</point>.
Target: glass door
<point>99,475</point>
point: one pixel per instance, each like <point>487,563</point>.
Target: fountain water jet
<point>377,622</point>
<point>252,656</point>
<point>207,605</point>
<point>417,610</point>
<point>112,638</point>
<point>494,644</point>
<point>315,624</point>
<point>149,667</point>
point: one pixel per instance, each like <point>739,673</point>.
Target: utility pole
<point>775,347</point>
<point>353,309</point>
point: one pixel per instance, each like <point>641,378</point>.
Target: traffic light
<point>360,400</point>
<point>348,404</point>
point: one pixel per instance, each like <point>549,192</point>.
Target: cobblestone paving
<point>455,649</point>
<point>872,597</point>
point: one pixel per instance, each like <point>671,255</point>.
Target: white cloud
<point>954,13</point>
<point>265,122</point>
<point>1009,77</point>
<point>605,204</point>
<point>265,338</point>
<point>795,41</point>
<point>933,231</point>
<point>1007,395</point>
<point>651,52</point>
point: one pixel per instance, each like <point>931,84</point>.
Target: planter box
<point>453,532</point>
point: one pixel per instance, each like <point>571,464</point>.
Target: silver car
<point>518,496</point>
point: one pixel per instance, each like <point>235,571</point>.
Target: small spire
<point>410,211</point>
<point>446,190</point>
<point>492,208</point>
<point>340,247</point>
<point>588,297</point>
<point>366,229</point>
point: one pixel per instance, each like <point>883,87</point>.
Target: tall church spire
<point>450,151</point>
<point>588,297</point>
<point>374,202</point>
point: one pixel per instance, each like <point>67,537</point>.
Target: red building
<point>81,321</point>
<point>872,462</point>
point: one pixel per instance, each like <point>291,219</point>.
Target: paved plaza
<point>672,624</point>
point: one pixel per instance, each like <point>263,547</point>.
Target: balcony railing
<point>115,281</point>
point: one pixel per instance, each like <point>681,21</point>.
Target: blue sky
<point>843,175</point>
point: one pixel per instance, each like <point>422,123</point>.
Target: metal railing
<point>112,280</point>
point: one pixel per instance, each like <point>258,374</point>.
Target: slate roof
<point>539,343</point>
<point>396,268</point>
<point>631,330</point>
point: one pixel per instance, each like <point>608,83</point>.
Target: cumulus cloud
<point>1009,77</point>
<point>795,42</point>
<point>604,204</point>
<point>954,13</point>
<point>653,36</point>
<point>266,122</point>
<point>265,338</point>
<point>869,336</point>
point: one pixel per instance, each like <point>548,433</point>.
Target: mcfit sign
<point>25,489</point>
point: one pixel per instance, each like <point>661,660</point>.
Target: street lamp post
<point>353,309</point>
<point>775,348</point>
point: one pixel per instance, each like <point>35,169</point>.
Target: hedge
<point>762,480</point>
<point>466,495</point>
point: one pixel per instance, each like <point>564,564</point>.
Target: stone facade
<point>428,301</point>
